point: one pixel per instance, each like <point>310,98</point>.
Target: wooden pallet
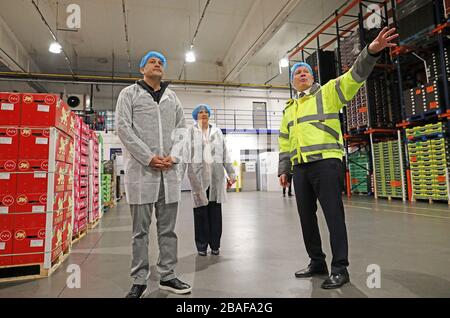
<point>110,204</point>
<point>430,201</point>
<point>389,198</point>
<point>93,224</point>
<point>79,236</point>
<point>15,273</point>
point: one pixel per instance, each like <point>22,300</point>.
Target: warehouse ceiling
<point>237,41</point>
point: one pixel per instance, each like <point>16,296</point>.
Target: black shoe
<point>290,195</point>
<point>215,252</point>
<point>284,195</point>
<point>336,281</point>
<point>137,291</point>
<point>202,253</point>
<point>311,271</point>
<point>175,286</point>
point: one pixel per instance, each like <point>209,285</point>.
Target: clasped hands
<point>162,163</point>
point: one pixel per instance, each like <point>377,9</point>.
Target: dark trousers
<point>322,180</point>
<point>208,226</point>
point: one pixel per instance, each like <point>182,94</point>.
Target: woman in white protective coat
<point>208,159</point>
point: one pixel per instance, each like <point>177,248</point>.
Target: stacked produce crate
<point>359,167</point>
<point>373,105</point>
<point>428,156</point>
<point>100,176</point>
<point>36,180</point>
<point>81,175</point>
<point>387,169</point>
<point>422,100</point>
<point>94,173</point>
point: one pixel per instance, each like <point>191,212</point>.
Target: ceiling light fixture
<point>55,48</point>
<point>284,62</point>
<point>190,57</point>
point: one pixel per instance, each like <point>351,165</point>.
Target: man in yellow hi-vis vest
<point>311,140</point>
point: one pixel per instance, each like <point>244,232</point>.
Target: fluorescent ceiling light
<point>284,62</point>
<point>190,57</point>
<point>55,47</point>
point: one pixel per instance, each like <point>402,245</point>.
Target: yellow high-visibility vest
<point>310,129</point>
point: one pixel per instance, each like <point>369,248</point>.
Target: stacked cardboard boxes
<point>36,180</point>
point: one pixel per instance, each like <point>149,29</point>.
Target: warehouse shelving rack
<point>363,137</point>
<point>442,114</point>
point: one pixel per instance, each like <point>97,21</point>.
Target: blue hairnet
<point>297,65</point>
<point>199,108</point>
<point>151,54</point>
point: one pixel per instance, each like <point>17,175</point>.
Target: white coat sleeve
<point>124,123</point>
<point>179,136</point>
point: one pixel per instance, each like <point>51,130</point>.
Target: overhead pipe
<point>112,80</point>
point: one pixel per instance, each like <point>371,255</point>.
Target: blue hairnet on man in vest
<point>199,108</point>
<point>151,54</point>
<point>297,65</point>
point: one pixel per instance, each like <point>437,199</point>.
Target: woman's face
<point>203,115</point>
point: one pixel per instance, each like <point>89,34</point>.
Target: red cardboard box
<point>45,110</point>
<point>8,183</point>
<point>81,204</point>
<point>56,202</point>
<point>37,182</point>
<point>33,182</point>
<point>84,181</point>
<point>73,126</point>
<point>75,228</point>
<point>82,224</point>
<point>31,203</point>
<point>8,165</point>
<point>70,152</point>
<point>10,109</point>
<point>7,203</point>
<point>58,217</point>
<point>34,143</point>
<point>84,148</point>
<point>32,165</point>
<point>62,146</point>
<point>69,183</point>
<point>82,213</point>
<point>9,143</point>
<point>6,238</point>
<point>29,237</point>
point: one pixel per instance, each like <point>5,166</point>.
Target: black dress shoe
<point>336,281</point>
<point>175,286</point>
<point>311,271</point>
<point>137,291</point>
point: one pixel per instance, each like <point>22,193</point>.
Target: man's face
<point>303,79</point>
<point>153,68</point>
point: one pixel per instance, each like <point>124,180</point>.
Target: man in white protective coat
<point>147,115</point>
<point>207,160</point>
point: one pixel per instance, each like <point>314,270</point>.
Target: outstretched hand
<point>383,40</point>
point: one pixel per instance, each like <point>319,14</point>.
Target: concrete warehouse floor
<point>261,249</point>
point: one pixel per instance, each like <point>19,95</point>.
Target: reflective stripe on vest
<point>321,117</point>
<point>285,136</point>
<point>340,93</point>
<point>327,129</point>
<point>320,147</point>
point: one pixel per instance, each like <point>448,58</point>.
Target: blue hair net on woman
<point>151,54</point>
<point>199,108</point>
